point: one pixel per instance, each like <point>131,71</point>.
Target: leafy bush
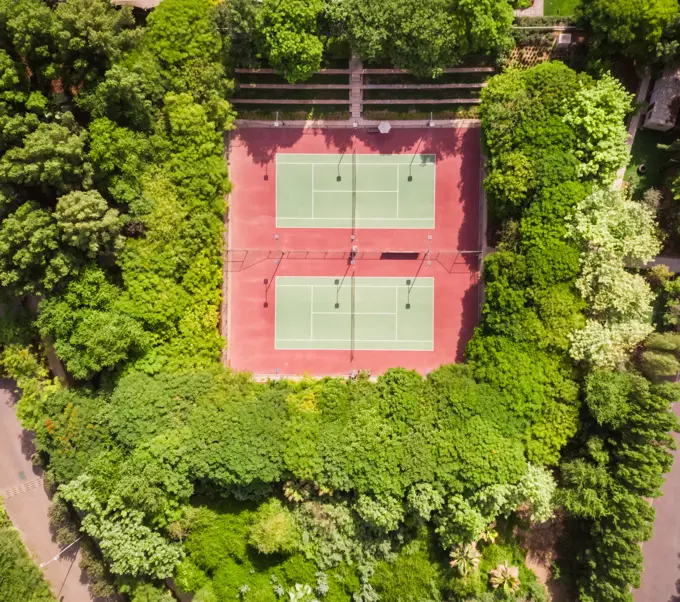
<point>21,578</point>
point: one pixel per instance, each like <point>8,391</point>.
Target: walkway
<point>27,503</point>
<point>634,123</point>
<point>535,10</point>
<point>673,264</point>
<point>355,81</point>
<point>661,573</point>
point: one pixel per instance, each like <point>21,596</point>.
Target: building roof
<point>664,103</point>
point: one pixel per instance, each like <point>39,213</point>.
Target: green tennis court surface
<point>355,191</point>
<point>354,313</point>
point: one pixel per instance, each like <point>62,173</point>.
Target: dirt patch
<point>540,543</point>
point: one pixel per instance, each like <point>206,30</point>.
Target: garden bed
<point>377,112</point>
<point>331,113</point>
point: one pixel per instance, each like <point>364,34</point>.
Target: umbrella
<point>384,127</point>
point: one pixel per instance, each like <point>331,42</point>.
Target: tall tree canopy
<point>630,27</point>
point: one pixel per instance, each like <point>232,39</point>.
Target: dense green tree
<point>181,31</point>
<point>424,37</point>
<point>630,27</point>
<point>30,256</point>
<point>51,160</point>
<point>90,333</point>
<point>288,30</point>
<point>131,547</point>
<point>26,32</point>
<point>87,223</point>
<point>90,35</point>
<point>121,96</point>
<point>660,358</point>
<point>622,462</point>
<point>118,156</point>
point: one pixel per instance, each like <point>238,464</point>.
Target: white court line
<point>331,164</point>
<point>313,198</point>
<point>356,313</point>
<point>375,219</point>
<point>416,285</point>
<point>357,341</point>
<point>368,191</point>
<point>358,154</point>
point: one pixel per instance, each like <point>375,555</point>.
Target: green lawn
<point>560,8</point>
<point>645,152</point>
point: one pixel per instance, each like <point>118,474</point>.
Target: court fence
<point>237,260</point>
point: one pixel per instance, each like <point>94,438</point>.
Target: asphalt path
<point>661,574</point>
<point>27,504</point>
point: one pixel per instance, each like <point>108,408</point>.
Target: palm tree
<point>465,558</point>
<point>506,577</point>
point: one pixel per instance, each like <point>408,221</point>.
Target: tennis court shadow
<point>340,140</point>
<point>469,310</point>
<point>469,187</point>
<point>263,143</point>
<point>442,142</point>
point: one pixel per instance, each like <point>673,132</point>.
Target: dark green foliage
<point>239,437</point>
<point>89,36</point>
<point>51,160</point>
<point>30,258</point>
<point>74,431</point>
<point>660,358</point>
<point>143,407</point>
<point>531,302</point>
<point>416,574</point>
<point>20,577</point>
<point>91,333</point>
<point>605,487</point>
<point>424,37</point>
<point>627,26</point>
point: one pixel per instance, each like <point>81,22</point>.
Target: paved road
<point>27,503</point>
<point>673,263</point>
<point>661,575</point>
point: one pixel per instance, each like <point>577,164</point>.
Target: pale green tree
<point>596,112</point>
<point>607,222</point>
<point>274,530</point>
<point>607,346</point>
<point>87,223</point>
<point>130,546</point>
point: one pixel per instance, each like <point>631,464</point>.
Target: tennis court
<point>354,313</point>
<point>354,190</point>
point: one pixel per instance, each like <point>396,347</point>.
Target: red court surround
<point>250,261</point>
